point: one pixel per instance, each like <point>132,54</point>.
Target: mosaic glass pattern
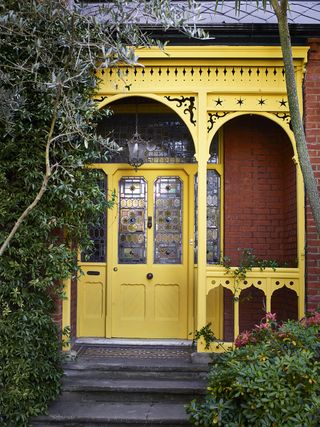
<point>213,218</point>
<point>214,150</point>
<point>132,220</point>
<point>168,220</point>
<point>169,140</point>
<point>98,232</point>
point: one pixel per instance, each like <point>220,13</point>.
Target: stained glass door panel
<point>168,220</point>
<point>132,220</point>
<point>149,275</point>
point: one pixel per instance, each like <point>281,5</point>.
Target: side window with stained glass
<point>98,231</point>
<point>213,217</point>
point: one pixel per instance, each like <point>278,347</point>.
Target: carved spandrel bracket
<point>285,117</point>
<point>188,103</point>
<point>102,98</point>
<point>213,117</point>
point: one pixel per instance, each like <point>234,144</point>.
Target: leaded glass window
<point>168,220</point>
<point>169,140</point>
<point>98,232</point>
<point>132,220</point>
<point>213,217</point>
<point>214,150</point>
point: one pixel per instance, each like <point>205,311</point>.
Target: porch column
<point>202,212</point>
<point>301,242</point>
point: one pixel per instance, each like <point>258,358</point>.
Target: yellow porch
<point>214,92</point>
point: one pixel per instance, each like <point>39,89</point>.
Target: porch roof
<point>301,12</point>
<point>251,25</point>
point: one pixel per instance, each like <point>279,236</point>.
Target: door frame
<point>112,225</point>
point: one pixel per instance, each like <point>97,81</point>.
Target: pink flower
<point>271,317</point>
<point>313,320</point>
<point>242,339</point>
<point>262,326</point>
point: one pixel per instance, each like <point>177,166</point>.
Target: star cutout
<point>283,103</point>
<point>261,101</point>
<point>218,101</point>
<point>240,101</point>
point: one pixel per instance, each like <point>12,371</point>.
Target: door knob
<point>115,268</point>
<point>149,276</point>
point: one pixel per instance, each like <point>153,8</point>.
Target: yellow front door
<point>150,274</point>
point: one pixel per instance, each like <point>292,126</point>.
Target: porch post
<point>202,212</point>
<point>301,242</point>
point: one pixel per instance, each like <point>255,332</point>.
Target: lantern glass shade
<point>137,150</point>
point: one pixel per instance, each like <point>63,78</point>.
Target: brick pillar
<point>312,128</point>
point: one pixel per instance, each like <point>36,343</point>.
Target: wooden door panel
<point>154,307</point>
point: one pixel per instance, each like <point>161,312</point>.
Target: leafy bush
<point>49,53</point>
<point>270,379</point>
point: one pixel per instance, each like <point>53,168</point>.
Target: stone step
<point>134,390</point>
<point>106,389</point>
<point>108,371</point>
<point>89,414</point>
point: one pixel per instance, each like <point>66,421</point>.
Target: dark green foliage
<point>46,82</point>
<point>48,56</point>
<point>272,379</point>
<point>207,334</point>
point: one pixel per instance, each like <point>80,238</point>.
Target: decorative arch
<point>161,99</point>
<point>228,116</point>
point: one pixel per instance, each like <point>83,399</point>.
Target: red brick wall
<point>286,311</point>
<point>228,320</point>
<point>260,205</point>
<point>260,196</point>
<point>57,315</point>
<point>252,304</point>
<point>312,128</point>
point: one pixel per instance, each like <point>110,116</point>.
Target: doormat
<point>137,352</point>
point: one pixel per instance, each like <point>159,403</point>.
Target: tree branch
<point>296,120</point>
<point>45,180</point>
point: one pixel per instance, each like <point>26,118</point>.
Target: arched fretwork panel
<point>284,303</point>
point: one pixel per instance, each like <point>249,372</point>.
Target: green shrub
<point>271,379</point>
<point>30,368</point>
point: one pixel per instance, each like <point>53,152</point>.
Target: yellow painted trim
<point>216,52</point>
<point>202,210</point>
<point>66,308</point>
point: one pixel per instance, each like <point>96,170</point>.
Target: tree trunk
<point>296,120</point>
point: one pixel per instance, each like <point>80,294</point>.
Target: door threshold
<point>135,341</point>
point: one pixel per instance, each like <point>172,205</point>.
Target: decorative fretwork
<point>132,220</point>
<point>261,101</point>
<point>218,101</point>
<point>169,140</point>
<point>285,117</point>
<point>240,101</point>
<point>283,103</point>
<point>98,232</point>
<point>213,117</point>
<point>168,220</point>
<point>229,78</point>
<point>213,217</point>
<point>100,99</point>
<point>188,103</point>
